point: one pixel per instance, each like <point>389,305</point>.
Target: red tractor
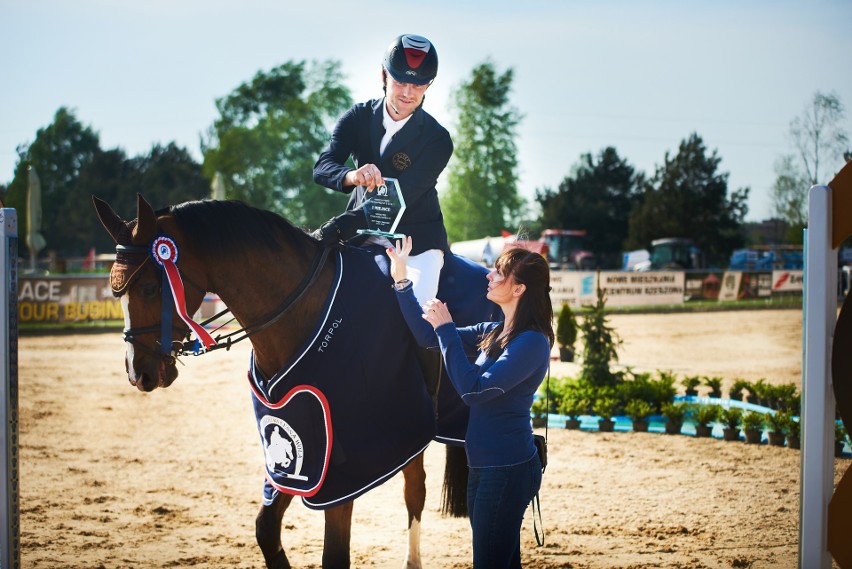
<point>565,249</point>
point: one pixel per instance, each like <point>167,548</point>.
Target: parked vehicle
<point>672,254</point>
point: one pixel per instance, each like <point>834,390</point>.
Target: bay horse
<point>252,259</point>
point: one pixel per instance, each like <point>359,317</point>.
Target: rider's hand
<point>367,175</point>
<point>399,258</point>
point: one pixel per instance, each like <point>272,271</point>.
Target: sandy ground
<point>111,477</point>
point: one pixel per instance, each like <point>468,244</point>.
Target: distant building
<point>767,232</point>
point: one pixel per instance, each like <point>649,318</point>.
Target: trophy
<point>384,209</point>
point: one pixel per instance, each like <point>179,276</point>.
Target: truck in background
<point>668,254</point>
<point>564,249</point>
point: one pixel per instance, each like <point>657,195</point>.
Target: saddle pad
<point>351,403</point>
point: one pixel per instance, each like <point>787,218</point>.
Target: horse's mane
<point>231,226</point>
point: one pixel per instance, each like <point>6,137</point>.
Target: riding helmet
<point>411,59</point>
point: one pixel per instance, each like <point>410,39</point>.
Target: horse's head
<point>137,278</point>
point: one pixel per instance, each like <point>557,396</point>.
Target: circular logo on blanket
<point>282,448</point>
<point>401,161</point>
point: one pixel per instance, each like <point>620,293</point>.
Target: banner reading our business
<point>65,299</point>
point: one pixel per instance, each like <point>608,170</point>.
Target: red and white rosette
<point>165,252</point>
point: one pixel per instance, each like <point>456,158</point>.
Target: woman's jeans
<point>496,500</point>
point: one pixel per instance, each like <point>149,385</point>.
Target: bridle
<point>171,350</point>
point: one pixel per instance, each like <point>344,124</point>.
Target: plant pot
<point>606,425</point>
<point>838,449</point>
<point>640,426</point>
<point>776,439</point>
<point>539,422</point>
<point>716,394</point>
<point>691,392</point>
<point>752,436</point>
<point>793,441</point>
<point>735,396</point>
<point>566,354</point>
<point>730,434</point>
<point>572,424</point>
<point>673,428</point>
<point>703,430</point>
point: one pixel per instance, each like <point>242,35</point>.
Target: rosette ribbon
<point>165,252</point>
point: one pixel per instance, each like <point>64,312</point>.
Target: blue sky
<point>637,75</point>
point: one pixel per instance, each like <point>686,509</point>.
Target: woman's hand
<point>436,313</point>
<point>399,258</point>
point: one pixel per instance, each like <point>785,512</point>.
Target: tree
<point>688,198</point>
<point>269,134</point>
<point>820,143</point>
<point>598,196</point>
<point>59,152</point>
<point>482,198</point>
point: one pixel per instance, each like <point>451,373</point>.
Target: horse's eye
<point>149,291</point>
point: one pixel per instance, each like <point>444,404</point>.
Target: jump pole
<point>10,555</point>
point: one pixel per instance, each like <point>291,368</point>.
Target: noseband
<point>172,292</point>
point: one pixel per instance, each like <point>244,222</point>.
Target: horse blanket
<point>350,408</point>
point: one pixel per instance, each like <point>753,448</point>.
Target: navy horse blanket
<point>350,408</point>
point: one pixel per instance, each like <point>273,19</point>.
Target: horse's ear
<point>110,220</point>
<point>146,222</point>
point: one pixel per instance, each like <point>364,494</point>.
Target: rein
<point>192,347</point>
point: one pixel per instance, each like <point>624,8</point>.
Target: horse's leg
<point>415,500</point>
<point>338,530</point>
<point>267,531</point>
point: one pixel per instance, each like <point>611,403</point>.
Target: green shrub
<point>732,417</point>
<point>738,388</point>
<point>753,421</point>
<point>675,412</point>
<point>605,407</point>
<point>691,381</point>
<point>840,434</point>
<point>600,344</point>
<point>574,407</point>
<point>566,327</point>
<point>715,385</point>
<point>793,427</point>
<point>778,422</point>
<point>706,414</point>
<point>539,407</point>
<point>638,410</point>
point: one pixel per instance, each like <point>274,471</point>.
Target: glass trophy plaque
<point>384,209</point>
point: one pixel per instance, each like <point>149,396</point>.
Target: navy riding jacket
<point>416,156</point>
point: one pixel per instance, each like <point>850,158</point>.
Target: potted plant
<point>738,389</point>
<point>757,392</point>
<point>605,408</point>
<point>793,430</point>
<point>731,418</point>
<point>715,385</point>
<point>753,427</point>
<point>777,423</point>
<point>566,332</point>
<point>639,410</point>
<point>690,382</point>
<point>674,413</point>
<point>539,412</point>
<point>704,415</point>
<point>573,407</point>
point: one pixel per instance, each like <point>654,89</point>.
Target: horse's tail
<point>454,492</point>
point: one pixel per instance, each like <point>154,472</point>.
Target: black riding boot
<point>433,368</point>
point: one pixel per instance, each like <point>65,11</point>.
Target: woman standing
<point>504,467</point>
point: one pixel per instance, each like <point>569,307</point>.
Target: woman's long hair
<point>535,310</point>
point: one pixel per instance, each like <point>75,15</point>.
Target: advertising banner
<point>65,299</point>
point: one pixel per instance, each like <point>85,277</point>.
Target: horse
<point>251,259</point>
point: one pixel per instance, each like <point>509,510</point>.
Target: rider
<point>393,136</point>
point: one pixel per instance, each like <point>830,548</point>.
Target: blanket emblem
<point>296,437</point>
<point>279,449</point>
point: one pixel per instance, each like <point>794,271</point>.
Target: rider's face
<point>402,99</point>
